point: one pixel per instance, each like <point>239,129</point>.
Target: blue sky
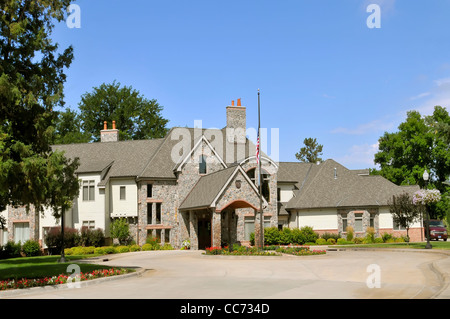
<point>321,71</point>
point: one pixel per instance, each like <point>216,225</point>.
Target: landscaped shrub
<point>298,237</point>
<point>109,250</point>
<point>31,248</point>
<point>321,241</point>
<point>99,251</point>
<point>153,242</point>
<point>123,249</point>
<point>386,237</point>
<point>343,241</point>
<point>147,247</point>
<point>271,236</point>
<point>378,240</point>
<point>285,236</point>
<point>331,241</point>
<point>167,246</point>
<point>309,233</point>
<point>11,250</point>
<point>350,233</point>
<point>135,248</point>
<point>91,237</point>
<point>53,239</point>
<point>327,236</point>
<point>370,235</point>
<point>358,240</point>
<point>121,231</point>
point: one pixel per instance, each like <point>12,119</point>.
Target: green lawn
<point>39,267</point>
<point>420,245</point>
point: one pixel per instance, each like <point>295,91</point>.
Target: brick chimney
<point>236,123</point>
<point>109,135</point>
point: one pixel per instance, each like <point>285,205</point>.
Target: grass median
<point>42,266</point>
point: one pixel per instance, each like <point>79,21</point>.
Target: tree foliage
<point>120,230</point>
<point>68,128</point>
<point>31,87</point>
<point>420,143</point>
<point>404,211</point>
<point>136,117</point>
<point>311,152</point>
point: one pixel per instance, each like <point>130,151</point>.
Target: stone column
<point>193,225</point>
<point>216,229</point>
<point>257,228</point>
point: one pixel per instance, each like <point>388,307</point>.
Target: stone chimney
<point>236,123</point>
<point>109,135</point>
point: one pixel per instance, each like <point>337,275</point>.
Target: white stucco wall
<point>386,221</point>
<point>127,207</point>
<point>319,219</point>
<point>286,192</point>
<point>90,210</point>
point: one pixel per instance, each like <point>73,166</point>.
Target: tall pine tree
<point>31,87</point>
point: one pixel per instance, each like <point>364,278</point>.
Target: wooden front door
<point>204,233</point>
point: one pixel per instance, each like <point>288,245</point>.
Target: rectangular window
<point>166,236</point>
<point>397,226</point>
<point>3,236</point>
<point>202,164</point>
<point>21,232</point>
<point>158,213</point>
<point>149,190</point>
<point>90,224</point>
<point>344,222</point>
<point>358,223</point>
<point>158,235</point>
<point>122,193</point>
<point>149,213</point>
<point>249,227</point>
<point>88,190</point>
<point>266,221</point>
<point>372,220</point>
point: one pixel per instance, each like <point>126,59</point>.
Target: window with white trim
<point>21,232</point>
<point>88,190</point>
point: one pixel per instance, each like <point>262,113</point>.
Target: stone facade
<point>27,219</point>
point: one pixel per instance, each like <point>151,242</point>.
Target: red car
<point>437,230</point>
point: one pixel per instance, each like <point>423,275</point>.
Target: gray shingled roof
<point>128,158</point>
<point>322,190</point>
<point>144,158</point>
<point>207,188</point>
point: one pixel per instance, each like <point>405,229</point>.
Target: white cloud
<point>438,95</point>
<point>364,128</point>
<point>420,96</point>
<point>359,156</point>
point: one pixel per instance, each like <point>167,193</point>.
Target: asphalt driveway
<point>338,274</point>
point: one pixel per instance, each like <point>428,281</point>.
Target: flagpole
<point>261,221</point>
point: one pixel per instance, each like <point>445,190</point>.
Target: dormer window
<point>202,164</point>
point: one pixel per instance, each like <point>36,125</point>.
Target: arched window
<point>253,174</point>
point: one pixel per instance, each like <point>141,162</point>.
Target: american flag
<point>257,150</point>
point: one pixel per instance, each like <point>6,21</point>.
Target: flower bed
<point>267,251</point>
<point>61,279</point>
<point>244,251</point>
